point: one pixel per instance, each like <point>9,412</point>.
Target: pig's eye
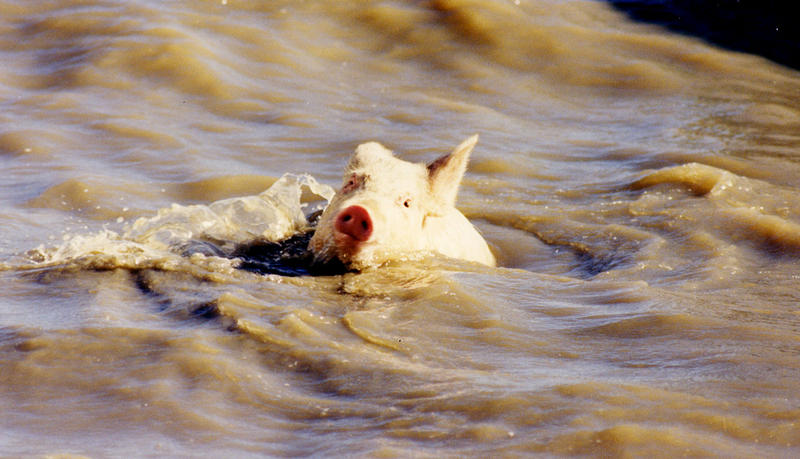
<point>352,184</point>
<point>407,203</point>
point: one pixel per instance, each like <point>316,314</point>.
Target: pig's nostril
<point>355,222</point>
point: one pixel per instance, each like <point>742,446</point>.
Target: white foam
<point>275,214</point>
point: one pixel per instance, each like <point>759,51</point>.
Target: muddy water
<point>639,188</point>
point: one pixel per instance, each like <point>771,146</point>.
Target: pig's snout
<point>355,222</point>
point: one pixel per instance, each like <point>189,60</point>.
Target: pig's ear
<point>367,153</point>
<point>444,174</point>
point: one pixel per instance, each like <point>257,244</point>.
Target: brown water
<point>640,190</point>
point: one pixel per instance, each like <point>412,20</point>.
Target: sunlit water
<point>639,188</point>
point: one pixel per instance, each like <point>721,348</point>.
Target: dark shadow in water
<point>764,27</point>
<point>289,257</point>
<point>590,265</point>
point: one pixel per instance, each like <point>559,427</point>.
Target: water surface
<point>638,187</point>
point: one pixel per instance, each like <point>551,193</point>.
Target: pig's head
<point>382,210</point>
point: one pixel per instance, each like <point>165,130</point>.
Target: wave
<point>162,241</point>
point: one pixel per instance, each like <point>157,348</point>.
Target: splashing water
<point>196,230</point>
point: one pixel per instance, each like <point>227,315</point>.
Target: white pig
<point>389,209</point>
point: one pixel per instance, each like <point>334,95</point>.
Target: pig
<point>390,209</point>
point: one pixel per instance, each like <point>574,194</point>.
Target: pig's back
<point>454,236</point>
